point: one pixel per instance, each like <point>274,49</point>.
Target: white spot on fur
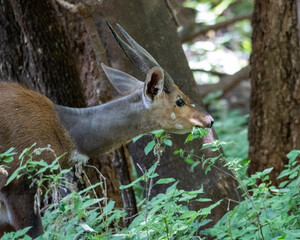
<point>173,116</point>
<point>193,105</point>
<point>78,157</point>
<point>178,126</point>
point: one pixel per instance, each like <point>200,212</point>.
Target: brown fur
<point>27,117</point>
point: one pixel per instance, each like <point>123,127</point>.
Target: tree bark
<point>90,53</point>
<point>151,25</point>
<point>275,95</point>
<point>34,51</point>
<point>46,48</point>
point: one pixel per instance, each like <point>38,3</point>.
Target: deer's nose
<point>211,123</point>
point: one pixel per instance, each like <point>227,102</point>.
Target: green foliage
<point>160,139</point>
<point>48,178</point>
<point>226,50</point>
<point>232,128</point>
<point>166,216</point>
<point>266,212</point>
<point>80,217</point>
<point>21,234</point>
<point>5,158</point>
<point>269,212</point>
<point>77,215</point>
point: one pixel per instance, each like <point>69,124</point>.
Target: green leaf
<point>203,200</point>
<point>149,147</point>
<point>165,180</point>
<point>153,175</point>
<point>25,151</point>
<point>189,138</point>
<point>109,207</point>
<point>137,138</point>
<point>9,152</point>
<point>200,132</point>
<point>188,214</point>
<point>190,4</point>
<point>189,160</point>
<point>168,142</point>
<point>91,202</point>
<point>158,133</point>
<point>8,159</point>
<point>195,164</point>
<point>132,184</point>
<point>151,170</point>
<point>206,145</point>
<point>90,187</point>
<point>206,211</point>
<point>15,174</point>
<point>176,152</point>
<point>292,155</point>
<point>267,171</point>
<point>180,152</point>
<point>78,205</point>
<point>22,232</point>
<point>141,202</point>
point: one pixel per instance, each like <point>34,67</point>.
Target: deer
<point>28,117</point>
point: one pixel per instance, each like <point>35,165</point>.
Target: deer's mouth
<point>208,123</point>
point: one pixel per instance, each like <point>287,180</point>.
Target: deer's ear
<point>154,83</point>
<point>122,82</point>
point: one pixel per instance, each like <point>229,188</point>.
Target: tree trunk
<point>275,96</point>
<point>46,48</point>
<point>35,52</point>
<point>152,26</point>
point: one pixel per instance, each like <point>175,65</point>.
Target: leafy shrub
<point>269,212</point>
<point>166,216</point>
<point>266,213</point>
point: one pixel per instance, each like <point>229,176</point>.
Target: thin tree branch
<point>233,81</point>
<point>172,12</point>
<point>219,74</point>
<point>225,84</point>
<point>192,31</point>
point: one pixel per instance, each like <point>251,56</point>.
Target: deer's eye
<point>180,102</point>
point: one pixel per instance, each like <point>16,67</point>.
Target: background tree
<point>274,124</point>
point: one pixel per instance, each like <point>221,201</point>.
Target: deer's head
<point>168,107</point>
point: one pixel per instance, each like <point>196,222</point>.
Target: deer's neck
<point>99,129</point>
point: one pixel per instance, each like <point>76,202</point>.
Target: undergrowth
<point>266,212</point>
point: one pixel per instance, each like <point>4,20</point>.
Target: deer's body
<point>28,117</point>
